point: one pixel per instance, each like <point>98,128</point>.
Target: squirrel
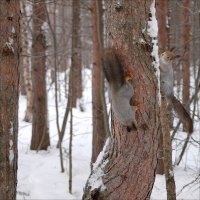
<point>120,90</point>
<point>166,86</point>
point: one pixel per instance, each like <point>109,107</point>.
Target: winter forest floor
<point>39,173</point>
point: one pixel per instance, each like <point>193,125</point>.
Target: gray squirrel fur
<point>166,86</point>
<point>120,90</point>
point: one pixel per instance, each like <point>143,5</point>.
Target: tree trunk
<point>161,14</point>
<point>127,168</point>
<point>21,64</point>
<point>28,87</point>
<point>76,53</point>
<point>40,133</point>
<point>9,94</point>
<point>22,80</point>
<point>175,40</point>
<point>167,151</point>
<point>26,64</point>
<point>52,21</point>
<point>70,150</point>
<point>186,55</point>
<point>99,127</point>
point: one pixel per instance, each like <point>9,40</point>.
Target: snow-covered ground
<point>39,173</point>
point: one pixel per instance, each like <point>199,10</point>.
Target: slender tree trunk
<point>40,133</point>
<point>70,150</point>
<point>126,168</point>
<point>175,40</point>
<point>21,64</point>
<point>22,80</point>
<point>167,147</point>
<point>69,109</point>
<point>76,53</point>
<point>26,64</point>
<point>55,66</point>
<point>64,123</point>
<point>52,20</point>
<point>186,56</point>
<point>9,94</point>
<point>28,87</point>
<point>161,14</point>
<point>63,38</point>
<point>99,127</point>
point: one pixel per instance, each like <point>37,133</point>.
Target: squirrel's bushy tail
<point>183,114</point>
<point>113,69</point>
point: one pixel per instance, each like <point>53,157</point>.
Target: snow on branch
<point>95,180</point>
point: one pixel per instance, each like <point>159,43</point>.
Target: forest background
<point>51,65</point>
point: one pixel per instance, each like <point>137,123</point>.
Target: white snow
<point>10,43</point>
<point>95,180</point>
<point>171,173</point>
<point>39,173</point>
<point>11,156</point>
<point>153,25</point>
<point>182,177</point>
<point>11,153</point>
<point>45,26</point>
<point>153,33</point>
<point>11,143</point>
<point>13,29</point>
<point>101,154</point>
<point>11,128</point>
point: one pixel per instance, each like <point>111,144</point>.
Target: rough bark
<point>167,151</point>
<point>76,53</point>
<point>9,93</point>
<point>40,133</point>
<point>186,51</point>
<point>160,167</point>
<point>99,128</point>
<point>127,170</point>
<point>161,14</point>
